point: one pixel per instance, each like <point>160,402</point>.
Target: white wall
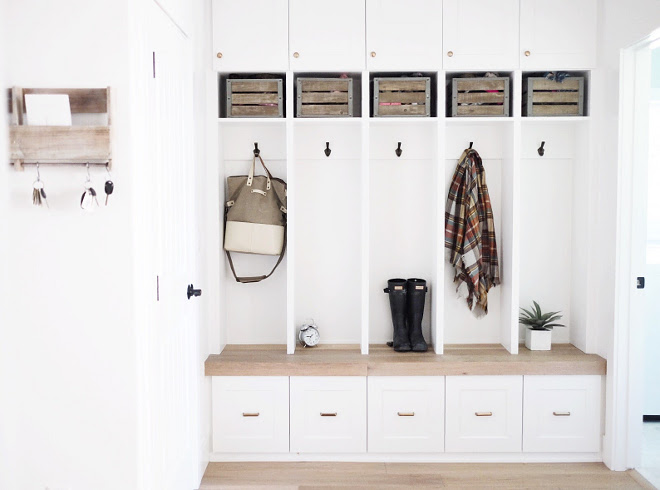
<point>68,414</point>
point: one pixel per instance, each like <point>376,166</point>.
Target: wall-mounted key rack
<point>76,144</point>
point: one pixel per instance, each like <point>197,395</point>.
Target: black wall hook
<point>256,150</point>
<point>471,142</point>
<point>541,150</point>
<point>398,150</point>
<point>327,150</point>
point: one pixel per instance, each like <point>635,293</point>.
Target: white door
<point>169,329</point>
<point>480,34</point>
<point>326,36</point>
<point>250,35</point>
<point>558,34</point>
<point>404,35</point>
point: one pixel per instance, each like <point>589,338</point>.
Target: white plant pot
<point>538,339</point>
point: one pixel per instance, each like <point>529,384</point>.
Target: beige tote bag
<point>255,217</point>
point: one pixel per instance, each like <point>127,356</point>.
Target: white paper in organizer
<point>48,110</point>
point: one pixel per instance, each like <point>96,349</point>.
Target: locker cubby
<point>259,95</point>
<point>554,205</point>
<point>495,144</point>
<point>402,195</point>
<point>328,229</point>
<point>555,99</point>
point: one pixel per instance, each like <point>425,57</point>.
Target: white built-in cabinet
<point>480,33</point>
<point>326,36</point>
<point>363,215</point>
<point>250,35</point>
<point>399,35</point>
<point>402,415</point>
<point>558,34</point>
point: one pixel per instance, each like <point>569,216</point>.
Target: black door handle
<point>641,282</point>
<point>192,291</point>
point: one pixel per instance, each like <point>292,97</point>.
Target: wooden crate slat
<point>403,97</point>
<point>60,143</point>
<point>556,110</point>
<point>402,110</point>
<point>558,97</point>
<point>480,84</point>
<point>324,110</point>
<point>325,97</point>
<point>247,98</point>
<point>255,110</point>
<point>254,85</point>
<point>408,85</point>
<point>481,97</point>
<point>340,85</point>
<point>545,84</point>
<point>480,110</point>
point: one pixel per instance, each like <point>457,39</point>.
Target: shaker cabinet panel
<point>558,34</point>
<point>562,414</point>
<point>404,35</point>
<point>484,414</point>
<point>250,35</point>
<point>250,414</point>
<point>480,34</point>
<point>406,414</point>
<point>326,36</point>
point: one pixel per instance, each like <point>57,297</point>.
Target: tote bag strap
<point>251,174</point>
<point>250,279</point>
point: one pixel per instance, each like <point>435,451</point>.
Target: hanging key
<point>109,188</point>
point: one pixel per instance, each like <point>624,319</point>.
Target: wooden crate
<point>402,96</point>
<point>324,97</point>
<point>543,97</point>
<point>480,96</point>
<point>255,98</point>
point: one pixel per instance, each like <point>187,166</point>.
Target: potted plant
<point>539,327</point>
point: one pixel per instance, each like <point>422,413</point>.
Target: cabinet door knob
<point>219,55</point>
<point>528,53</point>
<point>296,54</point>
<point>450,53</point>
<point>373,54</point>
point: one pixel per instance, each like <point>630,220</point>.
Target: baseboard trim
<point>414,457</point>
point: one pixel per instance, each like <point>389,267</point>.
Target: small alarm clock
<point>309,335</point>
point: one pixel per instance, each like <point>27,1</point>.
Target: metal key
<point>109,188</point>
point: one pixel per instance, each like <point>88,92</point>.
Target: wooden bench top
<point>458,360</point>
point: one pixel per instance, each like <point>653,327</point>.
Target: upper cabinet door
<point>250,35</point>
<point>557,34</point>
<point>480,34</point>
<point>326,36</point>
<point>404,35</point>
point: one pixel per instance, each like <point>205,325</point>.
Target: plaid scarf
<point>470,233</point>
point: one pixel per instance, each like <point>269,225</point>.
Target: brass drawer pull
<point>483,414</point>
<point>250,414</point>
<point>406,414</point>
<point>561,414</point>
<point>332,414</point>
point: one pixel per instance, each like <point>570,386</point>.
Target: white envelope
<point>48,110</point>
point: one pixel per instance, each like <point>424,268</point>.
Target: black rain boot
<point>396,288</point>
<point>414,313</point>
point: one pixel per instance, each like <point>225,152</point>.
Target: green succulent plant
<point>536,320</point>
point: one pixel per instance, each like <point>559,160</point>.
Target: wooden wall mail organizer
<point>61,144</point>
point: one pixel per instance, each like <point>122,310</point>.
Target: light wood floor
<point>318,476</point>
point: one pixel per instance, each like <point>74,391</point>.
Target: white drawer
<point>484,414</point>
<point>406,414</point>
<point>328,414</point>
<point>251,414</point>
<point>562,414</point>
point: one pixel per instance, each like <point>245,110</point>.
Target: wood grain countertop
<point>346,360</point>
